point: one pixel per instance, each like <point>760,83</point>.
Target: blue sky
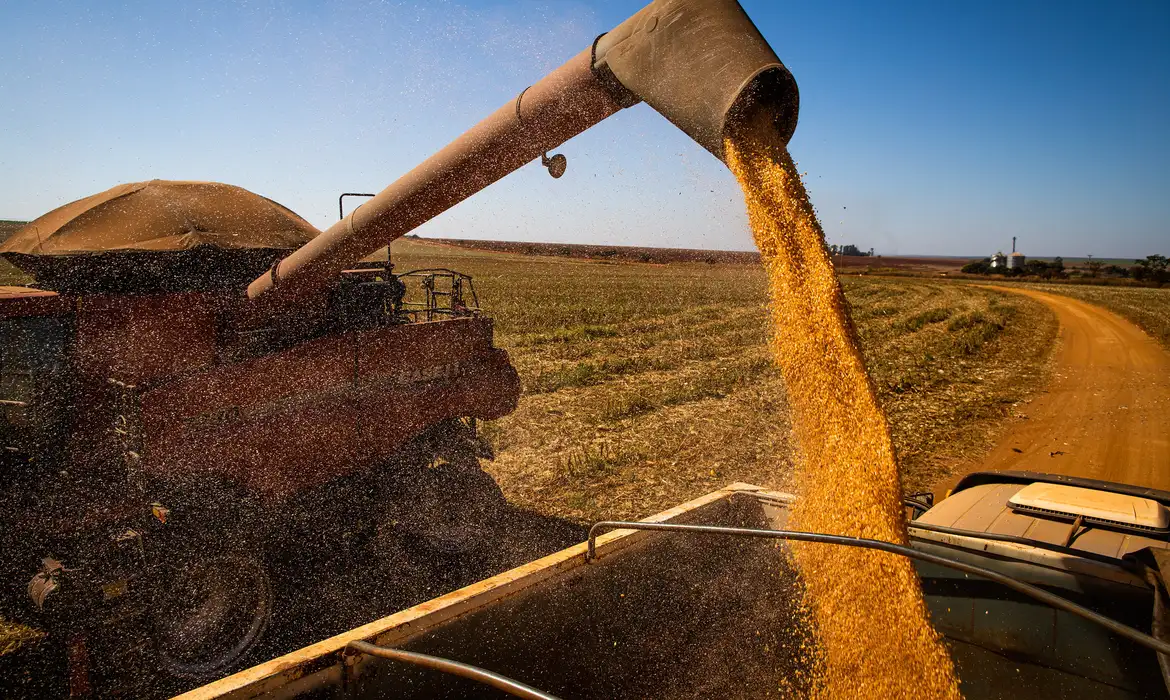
<point>925,127</point>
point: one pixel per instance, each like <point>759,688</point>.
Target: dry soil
<point>1106,413</point>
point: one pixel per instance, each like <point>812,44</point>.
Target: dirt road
<point>1106,414</point>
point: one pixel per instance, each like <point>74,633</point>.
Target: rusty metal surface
<point>138,338</point>
<point>563,104</point>
<point>291,420</point>
<point>704,66</point>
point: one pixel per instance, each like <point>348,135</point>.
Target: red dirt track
<point>1106,414</point>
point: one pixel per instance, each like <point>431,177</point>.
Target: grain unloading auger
<point>702,64</point>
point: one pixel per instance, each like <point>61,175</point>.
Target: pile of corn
<point>866,608</point>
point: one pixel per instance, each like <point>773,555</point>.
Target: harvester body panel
<point>296,419</point>
<point>154,431</point>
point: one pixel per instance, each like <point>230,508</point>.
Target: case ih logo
<point>416,375</point>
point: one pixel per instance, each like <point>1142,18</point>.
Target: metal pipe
<point>702,64</point>
<point>914,525</point>
<point>1123,564</point>
<point>454,668</point>
<point>1019,586</point>
<point>561,105</point>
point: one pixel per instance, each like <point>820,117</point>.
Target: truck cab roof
<point>980,513</point>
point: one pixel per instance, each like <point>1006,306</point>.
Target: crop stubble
<point>646,385</point>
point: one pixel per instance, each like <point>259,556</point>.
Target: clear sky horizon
<point>925,127</point>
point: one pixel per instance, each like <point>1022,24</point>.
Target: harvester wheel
<point>209,610</point>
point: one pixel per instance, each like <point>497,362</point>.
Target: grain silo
<point>1016,260</point>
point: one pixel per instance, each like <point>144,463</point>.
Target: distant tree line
<point>1151,270</point>
<point>849,249</point>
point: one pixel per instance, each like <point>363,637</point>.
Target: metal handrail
<point>341,199</point>
<point>1013,539</point>
<point>1019,586</point>
<point>442,271</point>
<point>455,668</point>
<point>1123,564</point>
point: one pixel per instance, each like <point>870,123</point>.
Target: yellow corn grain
<point>865,608</point>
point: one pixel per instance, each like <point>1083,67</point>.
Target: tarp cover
<point>160,235</point>
<point>163,215</point>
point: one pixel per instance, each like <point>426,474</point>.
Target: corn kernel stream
<point>866,610</point>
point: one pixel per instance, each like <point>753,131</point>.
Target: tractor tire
<point>210,608</point>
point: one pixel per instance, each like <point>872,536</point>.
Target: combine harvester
<point>195,404</point>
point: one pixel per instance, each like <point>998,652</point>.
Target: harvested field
<point>617,253</point>
<point>8,273</point>
<point>648,385</point>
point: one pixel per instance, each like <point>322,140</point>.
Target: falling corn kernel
<point>865,608</point>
